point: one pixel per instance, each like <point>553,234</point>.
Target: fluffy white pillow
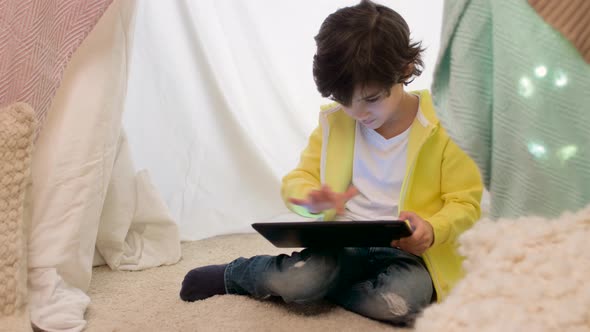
<point>526,274</point>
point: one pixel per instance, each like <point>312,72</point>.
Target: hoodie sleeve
<point>462,189</point>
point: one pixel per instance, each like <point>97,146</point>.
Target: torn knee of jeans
<point>299,264</point>
<point>396,305</point>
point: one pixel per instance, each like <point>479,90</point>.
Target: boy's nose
<point>360,114</point>
<point>364,116</point>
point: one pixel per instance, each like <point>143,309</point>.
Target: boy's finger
<point>350,193</point>
<point>315,195</point>
<point>413,225</point>
<point>298,201</point>
<point>410,217</point>
<point>406,215</point>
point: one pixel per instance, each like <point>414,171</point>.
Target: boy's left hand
<point>422,237</point>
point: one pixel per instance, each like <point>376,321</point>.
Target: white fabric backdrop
<point>221,100</point>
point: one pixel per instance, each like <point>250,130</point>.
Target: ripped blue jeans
<point>385,284</point>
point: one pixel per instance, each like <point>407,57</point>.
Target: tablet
<point>323,234</point>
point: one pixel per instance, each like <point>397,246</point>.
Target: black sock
<point>203,282</point>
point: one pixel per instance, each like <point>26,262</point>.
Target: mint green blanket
<point>514,94</point>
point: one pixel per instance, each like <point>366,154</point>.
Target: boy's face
<point>374,107</point>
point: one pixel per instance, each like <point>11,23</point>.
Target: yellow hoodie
<point>442,184</point>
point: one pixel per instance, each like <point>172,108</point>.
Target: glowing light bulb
<point>541,71</point>
<point>526,87</point>
<point>537,150</point>
<point>561,79</point>
<point>567,152</point>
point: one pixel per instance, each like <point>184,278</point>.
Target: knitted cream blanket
<point>17,126</point>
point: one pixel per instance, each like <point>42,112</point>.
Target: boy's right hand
<point>325,199</point>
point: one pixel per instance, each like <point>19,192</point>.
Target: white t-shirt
<point>378,172</point>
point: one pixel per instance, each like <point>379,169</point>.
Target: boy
<point>378,150</point>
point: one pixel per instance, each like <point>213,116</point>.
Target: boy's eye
<point>372,100</point>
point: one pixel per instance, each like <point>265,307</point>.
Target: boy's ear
<point>409,69</point>
<point>408,73</point>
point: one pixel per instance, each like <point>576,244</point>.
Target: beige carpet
<point>148,300</point>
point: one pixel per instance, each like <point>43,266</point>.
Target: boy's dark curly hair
<point>364,44</point>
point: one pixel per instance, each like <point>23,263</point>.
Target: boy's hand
<point>422,237</point>
<point>325,199</point>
